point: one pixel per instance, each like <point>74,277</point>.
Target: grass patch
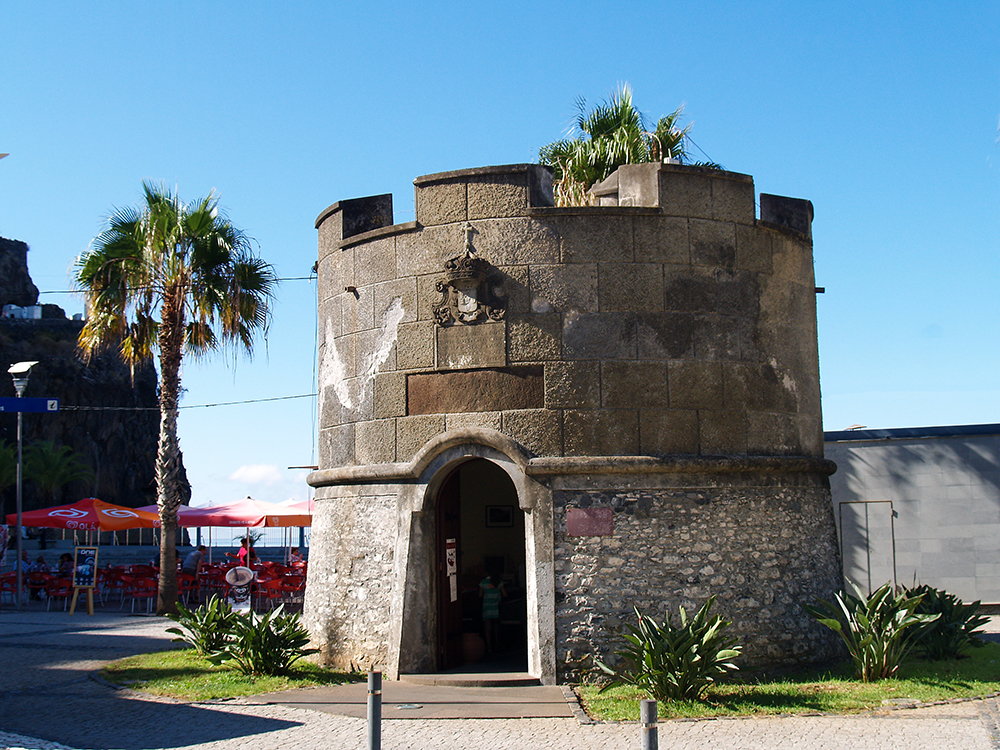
<point>184,675</point>
<point>833,691</point>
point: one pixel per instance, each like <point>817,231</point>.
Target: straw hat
<point>239,576</point>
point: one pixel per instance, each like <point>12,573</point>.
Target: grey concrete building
<point>920,504</point>
<point>610,407</point>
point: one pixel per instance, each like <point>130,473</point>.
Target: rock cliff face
<point>15,283</point>
<point>106,415</point>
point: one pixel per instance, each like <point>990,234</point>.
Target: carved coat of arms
<point>470,291</point>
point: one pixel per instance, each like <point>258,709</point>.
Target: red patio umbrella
<point>89,514</point>
<point>245,512</point>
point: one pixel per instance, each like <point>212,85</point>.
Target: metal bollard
<point>374,711</point>
<point>647,717</point>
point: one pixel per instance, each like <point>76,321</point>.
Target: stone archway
<point>414,611</point>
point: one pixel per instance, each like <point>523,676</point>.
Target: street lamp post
<point>19,372</point>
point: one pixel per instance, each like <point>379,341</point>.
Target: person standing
<point>491,591</point>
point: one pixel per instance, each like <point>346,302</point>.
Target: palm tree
<point>51,467</point>
<point>163,280</point>
<point>612,134</point>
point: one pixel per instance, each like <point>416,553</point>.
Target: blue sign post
<point>33,405</point>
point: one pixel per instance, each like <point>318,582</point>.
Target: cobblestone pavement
<point>48,700</point>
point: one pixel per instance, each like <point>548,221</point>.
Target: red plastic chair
<point>58,588</point>
<point>270,591</point>
<point>8,585</point>
<point>35,583</point>
<point>142,588</point>
<point>187,584</point>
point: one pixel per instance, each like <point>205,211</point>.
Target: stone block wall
<point>678,326</point>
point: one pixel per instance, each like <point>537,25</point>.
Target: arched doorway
<point>480,534</point>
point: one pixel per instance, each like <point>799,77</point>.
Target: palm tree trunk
<point>168,456</point>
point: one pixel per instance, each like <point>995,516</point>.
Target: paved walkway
<point>48,700</point>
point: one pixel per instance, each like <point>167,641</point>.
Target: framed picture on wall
<point>499,515</point>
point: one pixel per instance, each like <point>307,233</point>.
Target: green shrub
<point>878,630</point>
<point>265,644</point>
<point>676,663</point>
<point>206,628</point>
<point>954,631</point>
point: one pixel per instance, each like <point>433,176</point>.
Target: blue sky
<point>884,115</point>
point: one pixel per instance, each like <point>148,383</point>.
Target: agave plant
<point>954,632</point>
<point>676,662</point>
<point>265,644</point>
<point>206,628</point>
<point>878,630</point>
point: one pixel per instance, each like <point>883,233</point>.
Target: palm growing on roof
<point>611,134</point>
<point>163,280</point>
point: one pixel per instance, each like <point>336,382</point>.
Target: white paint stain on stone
<point>387,336</point>
<point>333,373</point>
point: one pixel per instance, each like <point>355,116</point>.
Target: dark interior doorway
<point>480,535</point>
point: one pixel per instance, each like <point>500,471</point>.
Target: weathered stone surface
<point>599,336</point>
<point>534,338</point>
<point>515,288</point>
<point>496,195</point>
<point>487,420</point>
<point>685,194</point>
<point>601,432</point>
<point>662,239</point>
<point>538,430</point>
<point>357,311</point>
<point>589,238</point>
<point>713,243</point>
<point>634,384</point>
<point>675,548</point>
<point>336,445</point>
<point>390,395</point>
<point>374,262</point>
<point>668,432</point>
<point>560,288</point>
<point>475,390</point>
<point>793,213</point>
<point>386,294</point>
<point>415,345</point>
<point>733,199</point>
<point>515,242</point>
<point>696,385</point>
<point>462,347</point>
<point>574,385</point>
<point>413,432</point>
<point>375,442</point>
<point>441,203</point>
<point>722,432</point>
<point>631,286</point>
<point>753,249</point>
<point>665,335</point>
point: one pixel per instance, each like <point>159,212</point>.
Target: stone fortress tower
<point>611,407</point>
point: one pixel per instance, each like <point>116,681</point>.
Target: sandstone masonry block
<point>733,199</point>
<point>491,196</point>
<point>441,203</point>
<point>515,242</point>
<point>572,385</point>
<point>696,385</point>
<point>461,347</point>
<point>662,239</point>
<point>631,286</point>
<point>685,194</point>
<point>375,261</point>
<point>634,384</point>
<point>413,432</point>
<point>665,336</point>
<point>538,430</point>
<point>390,395</point>
<point>515,288</point>
<point>487,420</point>
<point>415,345</point>
<point>599,336</point>
<point>559,288</point>
<point>668,432</point>
<point>534,338</point>
<point>405,290</point>
<point>722,432</point>
<point>375,442</point>
<point>601,432</point>
<point>713,243</point>
<point>589,238</point>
